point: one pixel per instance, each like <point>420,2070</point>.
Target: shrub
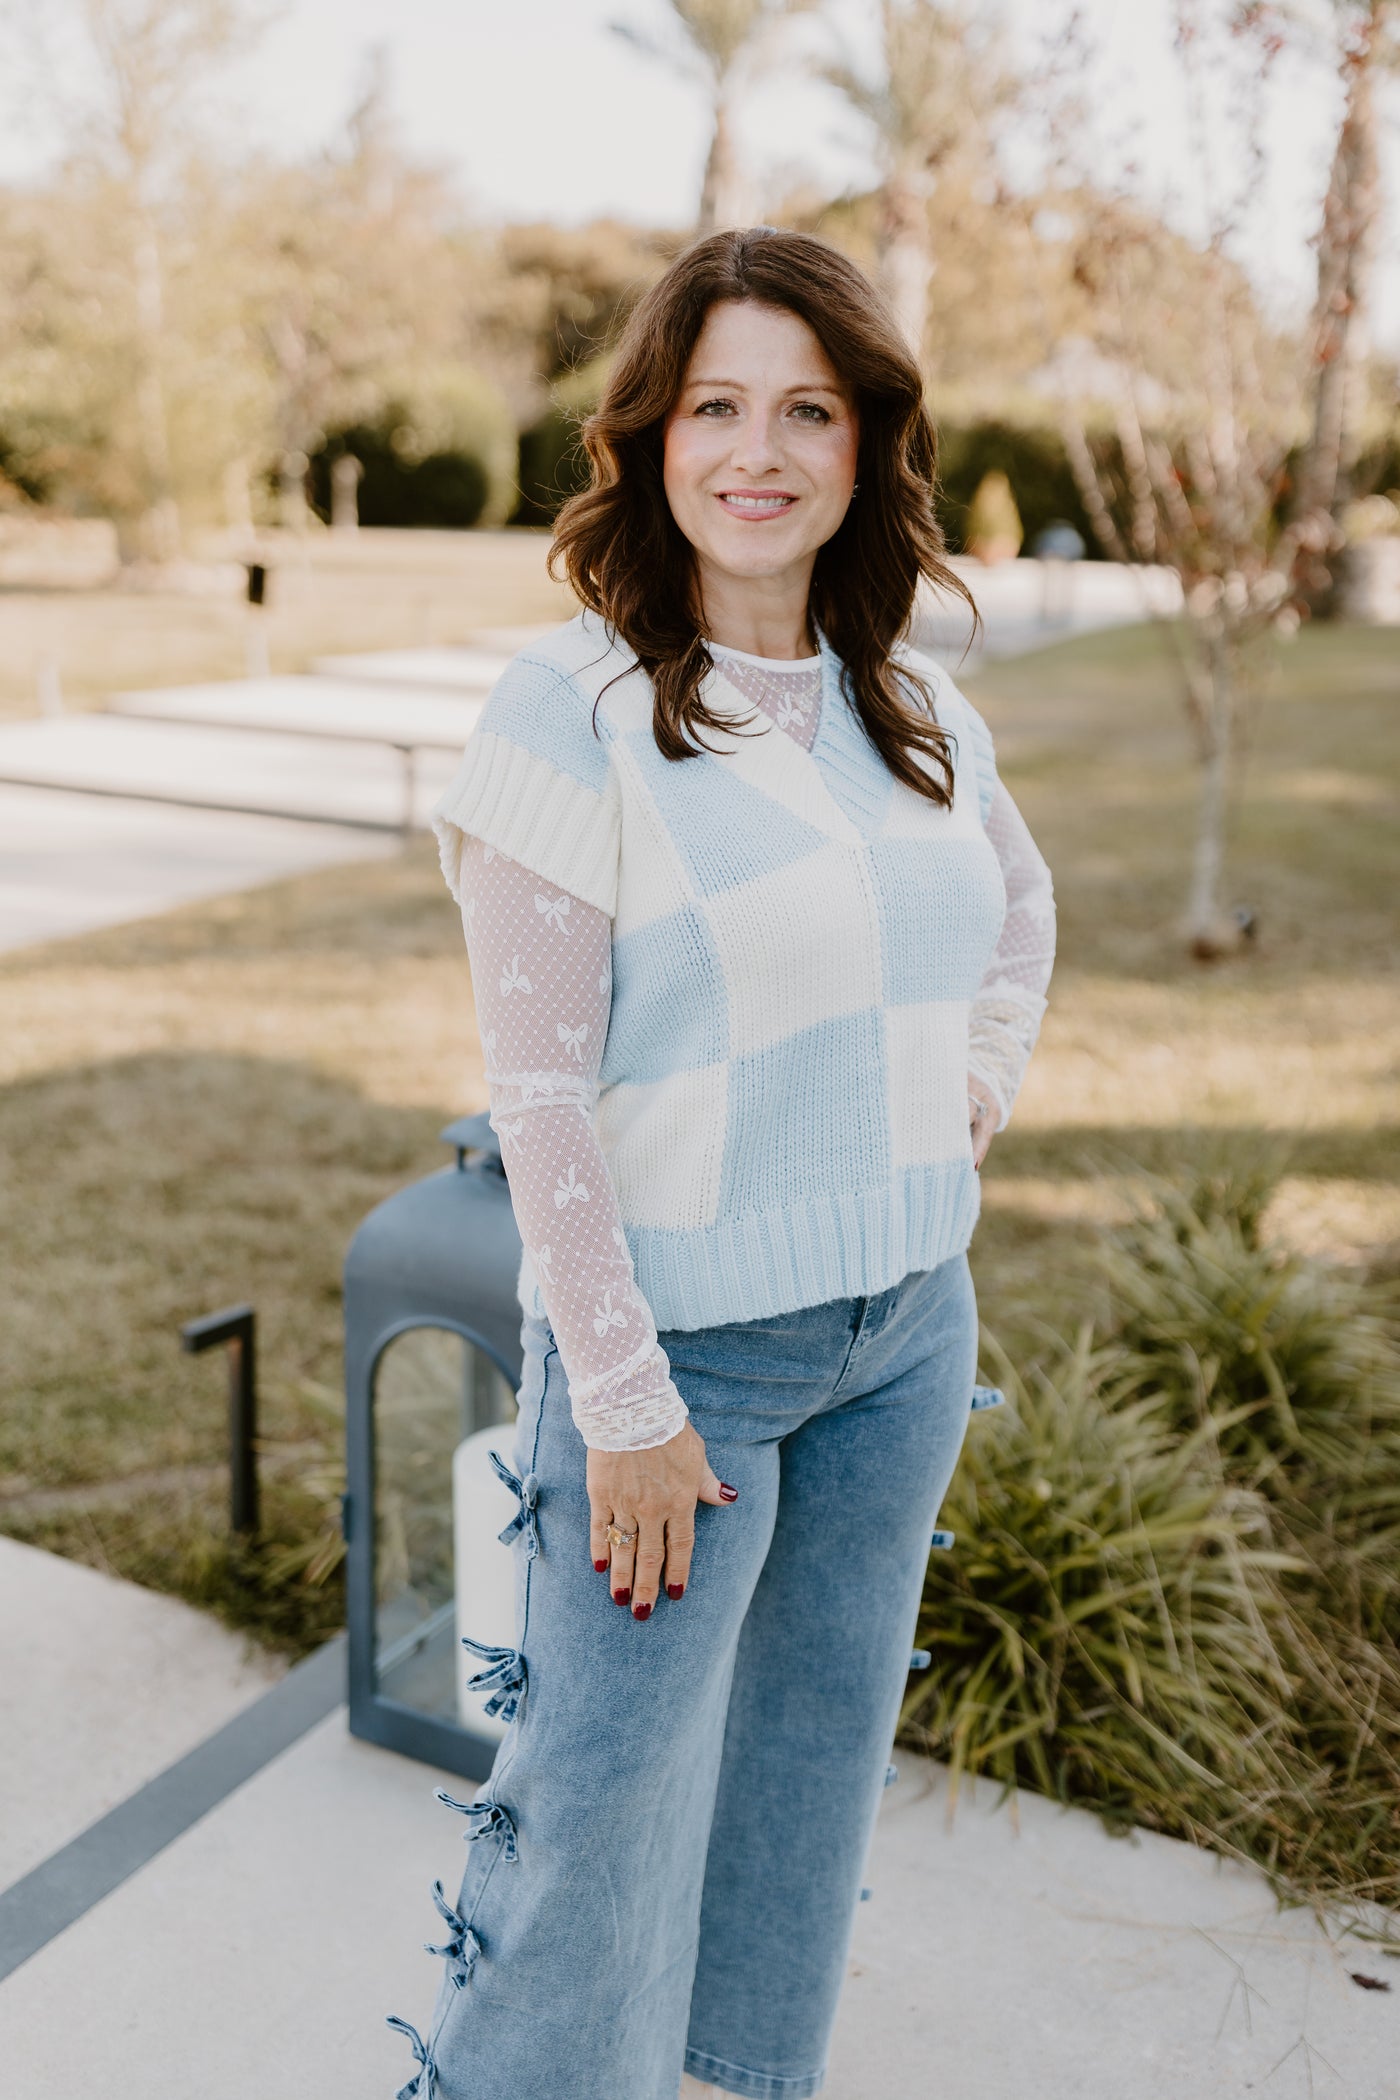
<point>553,464</point>
<point>1174,1591</point>
<point>994,529</point>
<point>1034,463</point>
<point>444,489</point>
<point>440,449</point>
<point>1294,1364</point>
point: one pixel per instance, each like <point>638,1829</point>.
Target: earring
<point>855,488</point>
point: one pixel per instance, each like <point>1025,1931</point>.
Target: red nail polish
<point>641,1611</point>
<point>727,1493</point>
<point>600,1567</point>
<point>675,1589</point>
<point>622,1596</point>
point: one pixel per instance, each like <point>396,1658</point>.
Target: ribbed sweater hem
<point>769,1262</point>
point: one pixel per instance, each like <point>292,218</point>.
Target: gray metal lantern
<point>432,1363</point>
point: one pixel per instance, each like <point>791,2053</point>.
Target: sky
<point>541,111</point>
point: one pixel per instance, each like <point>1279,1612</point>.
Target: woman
<point>759,945</point>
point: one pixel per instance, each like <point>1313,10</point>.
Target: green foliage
<point>1034,464</point>
<point>553,463</point>
<point>443,488</point>
<point>1173,1595</point>
<point>441,451</point>
<point>1294,1365</point>
<point>552,467</point>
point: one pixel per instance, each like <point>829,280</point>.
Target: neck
<point>762,615</point>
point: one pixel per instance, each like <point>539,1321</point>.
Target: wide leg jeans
<point>664,1866</point>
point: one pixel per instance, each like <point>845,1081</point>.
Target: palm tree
<point>718,45</point>
<point>937,88</point>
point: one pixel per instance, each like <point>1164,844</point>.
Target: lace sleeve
<point>542,974</point>
<point>1006,1013</point>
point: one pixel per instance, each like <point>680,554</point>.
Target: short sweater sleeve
<point>536,782</point>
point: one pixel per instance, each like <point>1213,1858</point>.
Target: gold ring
<point>620,1538</point>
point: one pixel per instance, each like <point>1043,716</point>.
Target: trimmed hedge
<point>1033,461</point>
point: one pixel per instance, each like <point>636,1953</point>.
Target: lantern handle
<point>474,1134</point>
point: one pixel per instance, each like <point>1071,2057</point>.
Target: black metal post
<point>237,1329</point>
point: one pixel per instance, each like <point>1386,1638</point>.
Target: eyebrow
<point>815,386</point>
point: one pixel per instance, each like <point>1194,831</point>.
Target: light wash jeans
<point>665,1863</point>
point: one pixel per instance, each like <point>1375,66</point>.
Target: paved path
<point>104,1684</point>
<point>1011,1953</point>
<point>1029,604</point>
<point>70,863</point>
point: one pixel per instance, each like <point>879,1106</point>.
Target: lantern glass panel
<point>432,1389</point>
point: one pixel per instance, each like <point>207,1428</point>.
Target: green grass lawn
<point>199,1108</point>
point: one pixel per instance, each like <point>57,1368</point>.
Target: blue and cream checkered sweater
<point>797,940</point>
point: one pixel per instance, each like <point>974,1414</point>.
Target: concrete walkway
<point>1016,1951</point>
<point>70,863</point>
<point>188,792</point>
<point>1030,604</point>
<point>104,1684</point>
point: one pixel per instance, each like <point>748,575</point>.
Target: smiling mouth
<point>740,505</point>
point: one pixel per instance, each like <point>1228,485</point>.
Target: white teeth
<point>757,503</point>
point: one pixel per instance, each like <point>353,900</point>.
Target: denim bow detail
<point>504,1677</point>
<point>490,1819</point>
<point>462,1947</point>
<point>423,2084</point>
<point>526,1492</point>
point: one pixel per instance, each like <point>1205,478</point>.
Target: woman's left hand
<point>983,1116</point>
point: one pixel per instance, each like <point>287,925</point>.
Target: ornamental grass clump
<point>1174,1591</point>
<point>1294,1363</point>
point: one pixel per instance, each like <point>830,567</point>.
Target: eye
<point>706,406</point>
<point>811,412</point>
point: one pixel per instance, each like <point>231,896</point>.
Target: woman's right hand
<point>652,1493</point>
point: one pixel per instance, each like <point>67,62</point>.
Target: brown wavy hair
<point>627,559</point>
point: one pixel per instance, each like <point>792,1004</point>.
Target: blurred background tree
<point>1368,42</point>
<point>192,335</point>
<point>721,45</point>
<point>116,317</point>
<point>930,109</point>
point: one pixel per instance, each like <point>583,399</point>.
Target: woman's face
<point>760,447</point>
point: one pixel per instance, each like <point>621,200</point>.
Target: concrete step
<point>388,711</point>
<point>466,670</point>
<point>259,772</point>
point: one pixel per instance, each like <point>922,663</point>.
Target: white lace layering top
<point>543,1007</point>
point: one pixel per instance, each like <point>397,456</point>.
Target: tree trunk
<point>907,254</point>
<point>1209,931</point>
<point>1345,254</point>
<point>722,201</point>
<point>160,525</point>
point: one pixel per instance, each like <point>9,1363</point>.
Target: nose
<point>756,449</point>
